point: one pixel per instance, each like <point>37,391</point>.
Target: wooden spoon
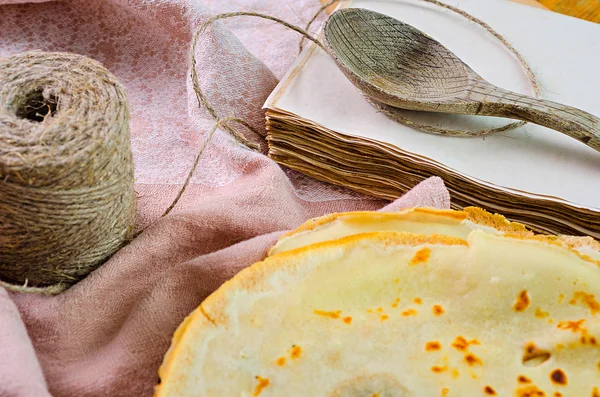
<point>398,65</point>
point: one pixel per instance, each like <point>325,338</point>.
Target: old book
<point>320,124</point>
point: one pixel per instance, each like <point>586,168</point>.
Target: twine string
<point>221,123</point>
<point>313,19</point>
<point>202,100</point>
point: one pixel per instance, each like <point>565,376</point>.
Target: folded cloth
<point>107,334</point>
<point>20,371</point>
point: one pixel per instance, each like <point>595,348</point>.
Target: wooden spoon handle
<point>576,123</point>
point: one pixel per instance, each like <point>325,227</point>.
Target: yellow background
<point>584,9</point>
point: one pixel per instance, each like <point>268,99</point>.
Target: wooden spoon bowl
<point>398,65</point>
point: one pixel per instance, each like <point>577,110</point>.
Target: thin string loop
<point>221,123</point>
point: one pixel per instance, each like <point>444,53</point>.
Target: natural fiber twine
<point>67,200</point>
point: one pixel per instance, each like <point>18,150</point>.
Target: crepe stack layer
<point>418,303</point>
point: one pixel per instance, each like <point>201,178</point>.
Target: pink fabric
<point>22,1</point>
<point>106,336</point>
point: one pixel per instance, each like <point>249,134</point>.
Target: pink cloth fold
<point>107,335</point>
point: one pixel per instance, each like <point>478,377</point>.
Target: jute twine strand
<point>202,100</point>
<point>313,19</point>
<point>67,200</point>
<point>221,123</point>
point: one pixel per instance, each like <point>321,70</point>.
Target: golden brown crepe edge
<point>473,214</point>
<point>322,220</point>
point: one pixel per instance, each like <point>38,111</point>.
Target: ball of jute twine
<point>65,160</point>
<point>67,200</point>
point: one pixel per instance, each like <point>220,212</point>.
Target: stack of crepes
<point>417,303</point>
<point>320,124</point>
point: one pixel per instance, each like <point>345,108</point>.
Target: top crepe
<point>398,314</point>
